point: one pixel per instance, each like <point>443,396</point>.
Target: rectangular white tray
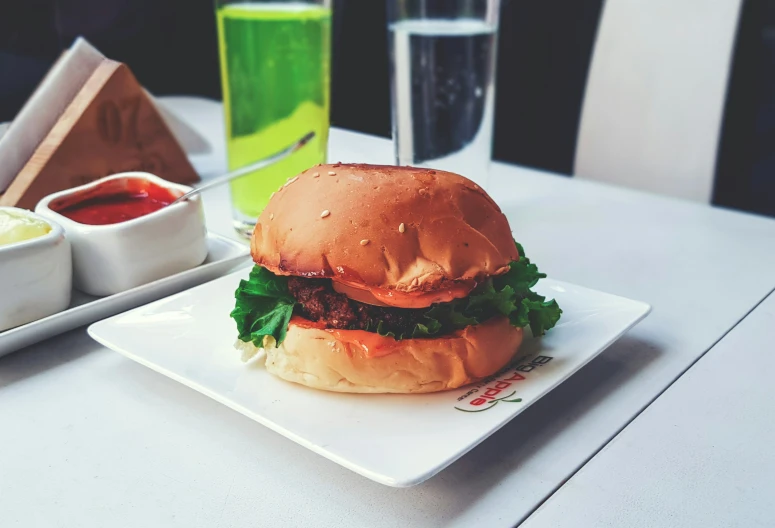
<point>223,255</point>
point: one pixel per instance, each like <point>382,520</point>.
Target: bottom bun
<point>336,361</point>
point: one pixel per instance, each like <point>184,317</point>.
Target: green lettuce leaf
<point>508,295</point>
<point>541,313</point>
<point>263,308</point>
<point>522,274</point>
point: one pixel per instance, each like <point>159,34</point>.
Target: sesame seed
<point>325,213</point>
<point>315,174</point>
<point>401,228</point>
<point>271,216</point>
<point>331,173</point>
<point>281,188</point>
<point>291,181</point>
<point>365,241</point>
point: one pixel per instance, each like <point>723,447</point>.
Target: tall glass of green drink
<point>275,61</point>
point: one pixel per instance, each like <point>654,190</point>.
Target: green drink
<point>275,75</point>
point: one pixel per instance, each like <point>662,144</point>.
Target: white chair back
<point>655,94</point>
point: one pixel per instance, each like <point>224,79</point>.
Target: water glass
<point>442,78</point>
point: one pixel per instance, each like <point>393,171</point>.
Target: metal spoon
<point>260,164</point>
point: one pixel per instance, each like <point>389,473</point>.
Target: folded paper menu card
<point>88,118</point>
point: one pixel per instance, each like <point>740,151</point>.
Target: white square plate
<point>397,440</point>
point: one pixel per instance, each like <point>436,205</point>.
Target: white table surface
<point>700,456</point>
<point>91,439</point>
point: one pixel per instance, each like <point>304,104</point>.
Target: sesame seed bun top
<point>394,228</point>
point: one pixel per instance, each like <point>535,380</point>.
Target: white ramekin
<point>109,259</point>
<point>35,275</point>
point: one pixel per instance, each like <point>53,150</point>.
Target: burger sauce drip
<point>372,344</point>
<point>384,297</point>
<point>380,297</point>
<point>112,208</point>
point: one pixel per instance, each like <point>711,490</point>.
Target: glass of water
<point>442,74</point>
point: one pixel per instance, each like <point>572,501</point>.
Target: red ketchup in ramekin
<point>109,204</point>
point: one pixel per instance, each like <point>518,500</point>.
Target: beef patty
<point>319,302</point>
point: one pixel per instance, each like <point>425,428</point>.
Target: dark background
<point>543,58</point>
<point>745,166</point>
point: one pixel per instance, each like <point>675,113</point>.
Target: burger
<point>385,279</point>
